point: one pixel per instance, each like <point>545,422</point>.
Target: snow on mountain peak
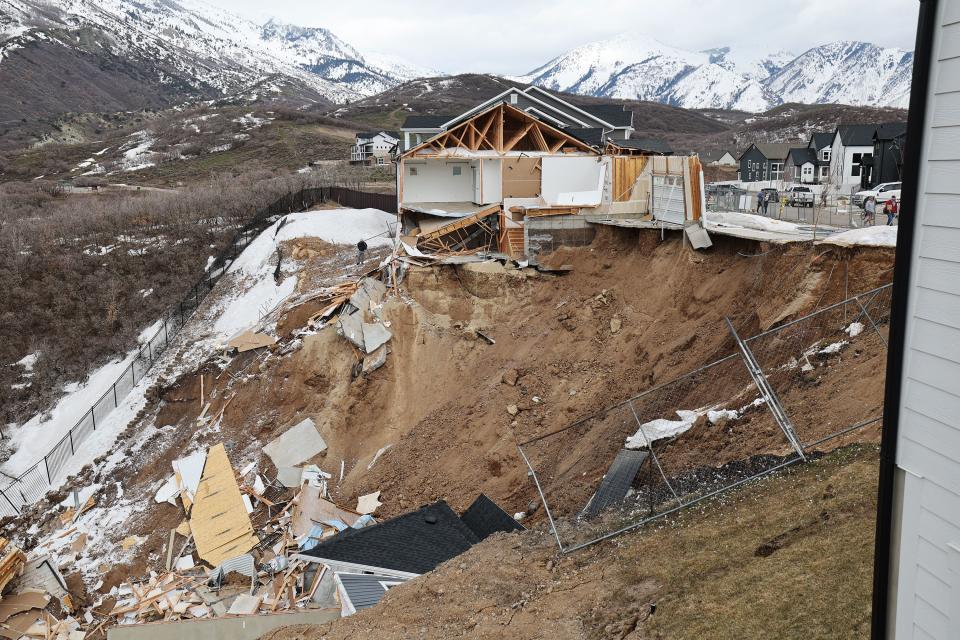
<point>638,66</point>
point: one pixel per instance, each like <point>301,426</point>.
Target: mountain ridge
<point>639,67</point>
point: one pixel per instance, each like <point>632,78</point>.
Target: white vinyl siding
<point>928,447</point>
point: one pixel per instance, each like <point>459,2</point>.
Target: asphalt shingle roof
<point>415,542</point>
<point>614,114</point>
<point>800,155</point>
<point>592,136</point>
<point>425,122</point>
<point>857,135</point>
<point>773,150</point>
<point>891,130</point>
<point>484,517</point>
<point>821,140</point>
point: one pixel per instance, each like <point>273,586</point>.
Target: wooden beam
<point>483,133</point>
<point>517,136</point>
<point>557,145</point>
<point>459,224</point>
<point>539,139</point>
<point>498,133</point>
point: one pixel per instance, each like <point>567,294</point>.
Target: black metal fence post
<point>10,502</point>
<point>46,464</point>
<point>70,433</point>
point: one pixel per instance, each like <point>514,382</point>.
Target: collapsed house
<point>361,565</point>
<point>524,169</point>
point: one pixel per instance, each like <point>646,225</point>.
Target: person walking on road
<point>766,201</point>
<point>892,208</point>
<point>759,201</point>
<point>869,211</point>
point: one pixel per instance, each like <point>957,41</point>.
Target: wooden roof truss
<point>502,129</point>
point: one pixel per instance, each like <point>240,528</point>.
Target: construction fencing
<point>22,491</point>
<point>749,413</point>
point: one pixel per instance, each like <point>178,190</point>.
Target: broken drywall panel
<point>374,336</point>
<point>168,492</point>
<point>368,503</point>
<point>188,471</point>
<point>351,326</point>
<point>248,341</point>
<point>300,442</point>
<point>375,360</point>
<point>184,563</point>
<point>375,289</point>
<point>245,605</point>
<point>219,521</point>
<point>289,476</point>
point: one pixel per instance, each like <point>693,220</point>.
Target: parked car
<point>881,193</point>
<point>799,196</point>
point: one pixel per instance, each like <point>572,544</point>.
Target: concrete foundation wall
<point>543,235</point>
<point>237,628</point>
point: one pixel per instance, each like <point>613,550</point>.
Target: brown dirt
<point>700,575</point>
<point>440,402</point>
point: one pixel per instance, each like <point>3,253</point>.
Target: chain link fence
<point>761,408</point>
<point>19,492</point>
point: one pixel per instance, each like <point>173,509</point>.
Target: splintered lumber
<point>219,520</point>
<point>12,563</point>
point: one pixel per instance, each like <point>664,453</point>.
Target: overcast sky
<point>515,36</point>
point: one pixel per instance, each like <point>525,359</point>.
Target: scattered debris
<point>248,341</point>
<point>369,503</point>
<point>300,442</point>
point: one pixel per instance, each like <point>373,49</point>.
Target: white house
<point>374,147</point>
<point>917,572</point>
<point>851,147</point>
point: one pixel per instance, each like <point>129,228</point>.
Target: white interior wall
<point>435,181</point>
<point>574,175</point>
<point>492,181</point>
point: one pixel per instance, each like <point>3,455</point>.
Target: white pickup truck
<point>799,196</point>
<point>880,194</point>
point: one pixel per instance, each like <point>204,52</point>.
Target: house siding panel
<point>928,445</point>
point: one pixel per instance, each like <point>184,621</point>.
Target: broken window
<point>457,170</point>
<point>413,171</point>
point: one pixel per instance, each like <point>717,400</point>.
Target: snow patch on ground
<point>879,236</point>
<point>855,329</point>
<point>749,221</point>
<point>722,415</point>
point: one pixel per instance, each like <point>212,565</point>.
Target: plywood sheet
<point>521,177</point>
<point>219,521</point>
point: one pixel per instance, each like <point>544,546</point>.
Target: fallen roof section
<point>485,517</point>
<point>219,520</point>
<point>362,590</point>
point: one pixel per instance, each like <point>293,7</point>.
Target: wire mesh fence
<point>766,405</point>
<point>32,484</point>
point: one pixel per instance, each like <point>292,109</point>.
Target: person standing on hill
<point>892,209</point>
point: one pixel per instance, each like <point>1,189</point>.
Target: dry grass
<point>790,558</point>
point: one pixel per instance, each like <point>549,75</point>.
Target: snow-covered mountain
<point>643,68</point>
<point>189,45</point>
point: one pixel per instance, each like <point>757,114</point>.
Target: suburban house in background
<point>888,147</point>
<point>822,145</point>
<point>763,161</point>
<point>802,166</point>
<point>527,168</point>
<point>721,158</point>
<point>851,150</point>
<point>376,147</point>
<point>592,123</point>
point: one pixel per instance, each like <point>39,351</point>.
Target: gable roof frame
<point>499,145</point>
<point>499,98</point>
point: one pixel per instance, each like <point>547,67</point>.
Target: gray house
<point>592,123</point>
<point>802,165</point>
<point>822,145</point>
<point>917,560</point>
<point>889,144</point>
<point>763,161</point>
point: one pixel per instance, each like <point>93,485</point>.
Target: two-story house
<point>376,147</point>
<point>850,151</point>
<point>889,144</point>
<point>763,161</point>
<point>802,165</point>
<point>822,145</point>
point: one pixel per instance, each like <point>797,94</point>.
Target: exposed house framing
<point>502,129</point>
<point>478,229</point>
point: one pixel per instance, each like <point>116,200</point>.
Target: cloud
<point>514,36</point>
